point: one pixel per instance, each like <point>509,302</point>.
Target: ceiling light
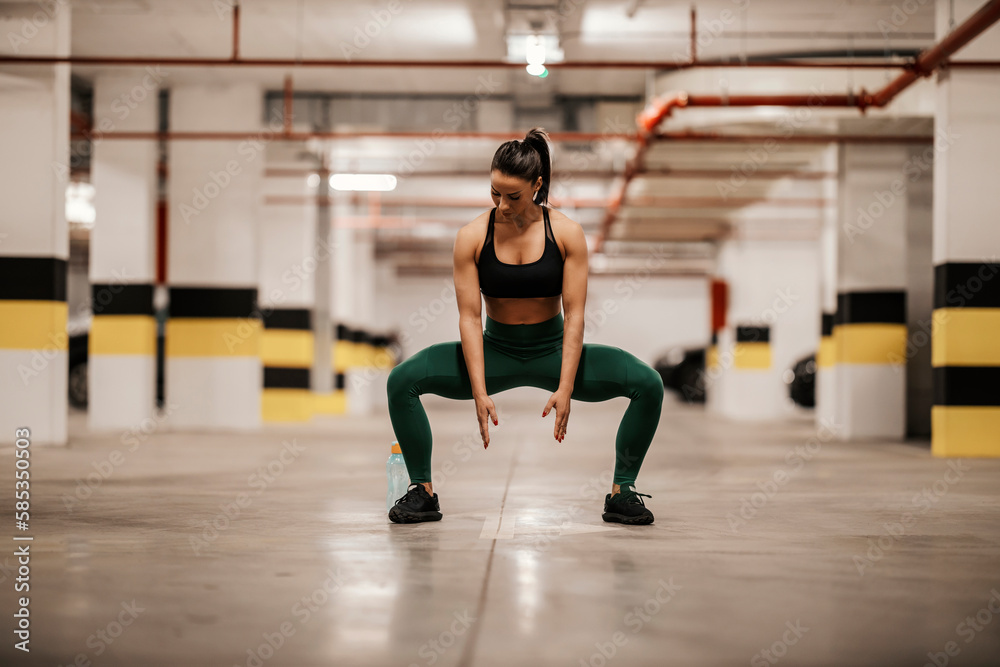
<point>80,204</point>
<point>534,50</point>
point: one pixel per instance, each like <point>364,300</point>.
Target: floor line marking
<point>490,527</point>
<point>506,528</point>
<point>469,649</point>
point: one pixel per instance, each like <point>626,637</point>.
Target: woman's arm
<point>574,297</point>
<point>470,323</point>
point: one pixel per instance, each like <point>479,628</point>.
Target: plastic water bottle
<point>395,471</point>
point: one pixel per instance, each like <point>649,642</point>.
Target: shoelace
<point>412,492</point>
<point>631,496</point>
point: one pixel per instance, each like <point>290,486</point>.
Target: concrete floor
<point>522,571</point>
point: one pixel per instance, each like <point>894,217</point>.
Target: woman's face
<point>512,196</point>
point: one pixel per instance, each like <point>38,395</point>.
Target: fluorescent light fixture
<point>363,182</point>
<point>80,204</point>
<point>534,50</point>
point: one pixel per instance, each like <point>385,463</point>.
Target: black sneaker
<point>627,507</point>
<point>416,506</point>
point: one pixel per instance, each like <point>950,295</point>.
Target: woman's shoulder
<point>564,226</point>
<point>568,233</point>
<point>477,225</point>
<point>558,219</point>
<point>472,234</point>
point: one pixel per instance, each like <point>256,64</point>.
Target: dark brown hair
<point>527,158</point>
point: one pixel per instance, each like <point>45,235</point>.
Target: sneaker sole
<point>641,520</point>
<point>397,515</point>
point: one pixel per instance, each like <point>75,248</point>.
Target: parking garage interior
<point>227,222</point>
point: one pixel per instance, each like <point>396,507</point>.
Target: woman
<point>526,341</point>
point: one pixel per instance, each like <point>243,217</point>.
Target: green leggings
<point>525,355</point>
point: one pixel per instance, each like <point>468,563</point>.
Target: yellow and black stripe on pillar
<point>870,328</point>
<point>334,403</point>
<point>33,310</point>
<point>286,352</point>
<point>34,348</point>
<point>365,349</point>
<point>124,320</point>
<point>343,349</point>
<point>712,353</point>
<point>341,356</point>
<point>826,356</point>
<point>340,392</point>
<point>965,354</point>
<point>384,357</point>
<point>213,322</point>
<point>753,348</point>
<point>362,348</point>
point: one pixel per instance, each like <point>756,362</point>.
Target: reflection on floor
<point>772,544</point>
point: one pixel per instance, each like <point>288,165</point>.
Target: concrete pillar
<point>870,324</point>
<point>826,354</point>
<point>354,290</point>
<point>213,367</point>
<point>322,384</point>
<point>364,381</point>
<point>34,240</point>
<point>966,357</point>
<point>341,305</point>
<point>288,264</point>
<point>772,322</point>
<point>122,357</point>
<point>357,380</point>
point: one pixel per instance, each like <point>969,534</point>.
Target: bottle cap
<point>395,448</point>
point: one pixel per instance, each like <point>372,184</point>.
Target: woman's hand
<point>560,401</point>
<point>485,410</point>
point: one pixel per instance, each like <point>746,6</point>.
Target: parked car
<point>78,357</point>
<point>78,370</point>
<point>683,371</point>
<point>802,388</point>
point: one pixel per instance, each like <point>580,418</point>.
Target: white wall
<point>648,318</point>
<point>645,317</point>
<point>775,284</point>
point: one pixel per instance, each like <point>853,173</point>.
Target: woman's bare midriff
<point>531,310</point>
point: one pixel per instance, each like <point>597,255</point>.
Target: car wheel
<point>78,386</point>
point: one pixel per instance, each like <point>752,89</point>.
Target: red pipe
<point>113,61</point>
<point>651,202</point>
<point>268,135</point>
<point>162,240</point>
<point>924,65</point>
<point>236,31</point>
<point>284,172</point>
<point>722,137</point>
<point>933,57</point>
<point>719,290</point>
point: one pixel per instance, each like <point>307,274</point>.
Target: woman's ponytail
<point>528,159</point>
<point>539,140</point>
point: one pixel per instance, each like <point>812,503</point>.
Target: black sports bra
<point>540,278</point>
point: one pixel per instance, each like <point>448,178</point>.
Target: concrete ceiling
<point>678,200</point>
<point>589,30</point>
